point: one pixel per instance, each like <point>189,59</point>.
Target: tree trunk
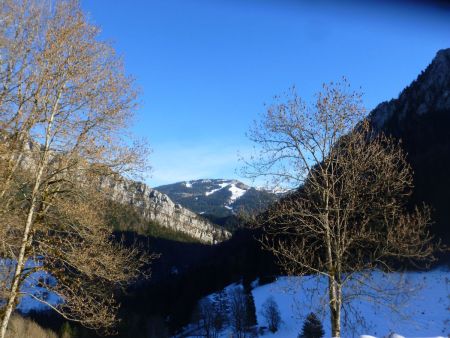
<point>335,307</point>
<point>334,290</point>
<point>333,286</point>
<point>20,261</point>
<point>26,238</point>
<point>336,324</point>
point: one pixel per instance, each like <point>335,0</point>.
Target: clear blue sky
<point>206,67</point>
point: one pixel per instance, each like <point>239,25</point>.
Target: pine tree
<point>250,310</point>
<point>312,328</point>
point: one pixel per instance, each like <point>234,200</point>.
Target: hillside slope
<point>420,118</point>
<point>296,297</point>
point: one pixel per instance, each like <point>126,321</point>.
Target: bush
<point>312,327</point>
<point>271,313</point>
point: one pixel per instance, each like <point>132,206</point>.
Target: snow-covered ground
<point>423,308</point>
<point>31,288</point>
<point>423,311</point>
<point>28,303</point>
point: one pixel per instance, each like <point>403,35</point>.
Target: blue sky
<point>206,67</point>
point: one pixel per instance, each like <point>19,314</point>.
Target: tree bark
<point>335,307</point>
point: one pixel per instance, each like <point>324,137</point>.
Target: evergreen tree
<point>250,310</point>
<point>312,328</point>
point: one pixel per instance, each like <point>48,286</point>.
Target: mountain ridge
<point>218,197</point>
<point>420,118</point>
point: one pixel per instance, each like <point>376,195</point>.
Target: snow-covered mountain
<point>218,197</point>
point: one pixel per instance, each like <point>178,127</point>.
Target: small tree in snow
<point>208,318</point>
<point>222,308</point>
<point>238,311</point>
<point>312,328</point>
<point>271,313</point>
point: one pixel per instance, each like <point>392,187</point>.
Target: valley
<point>204,206</point>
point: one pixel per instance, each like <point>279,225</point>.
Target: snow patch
<point>279,190</point>
<point>221,186</point>
<point>188,184</point>
<point>236,192</point>
<point>212,191</point>
<point>31,287</point>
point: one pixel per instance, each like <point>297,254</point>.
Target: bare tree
<point>65,108</point>
<point>348,213</point>
<point>238,311</point>
<point>271,313</point>
<point>209,318</point>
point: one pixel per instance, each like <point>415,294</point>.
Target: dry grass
<point>20,327</point>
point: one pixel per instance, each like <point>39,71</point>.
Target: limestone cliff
<point>158,207</point>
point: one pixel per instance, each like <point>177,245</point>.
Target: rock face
<point>150,204</point>
<point>429,93</point>
<point>158,207</point>
<point>420,118</point>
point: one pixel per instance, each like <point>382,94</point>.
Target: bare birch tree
<point>348,214</point>
<point>65,105</point>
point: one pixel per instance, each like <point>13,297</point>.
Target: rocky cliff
<point>428,94</point>
<point>150,204</point>
<point>158,207</point>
